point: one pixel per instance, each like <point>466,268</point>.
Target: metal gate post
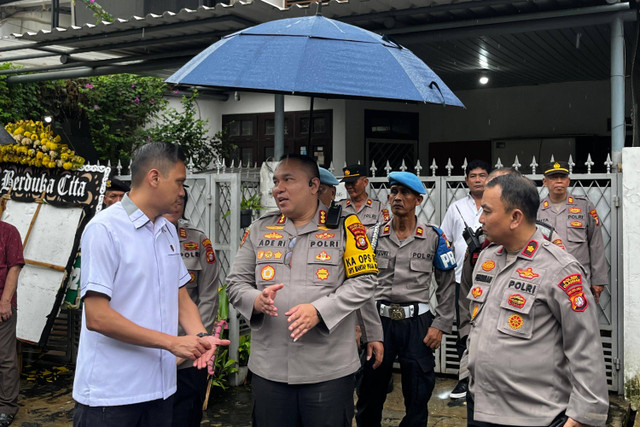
<point>234,243</point>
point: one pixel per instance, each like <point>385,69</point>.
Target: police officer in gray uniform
<point>369,211</point>
<point>535,356</point>
<point>410,254</point>
<point>298,282</point>
<point>576,220</point>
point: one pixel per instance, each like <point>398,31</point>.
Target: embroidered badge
<point>275,227</point>
<point>369,202</point>
<point>575,210</point>
<point>488,265</point>
<point>193,277</point>
<point>515,321</point>
<point>322,217</point>
<point>578,300</point>
<point>530,249</point>
<point>324,236</point>
<point>545,204</point>
<point>360,234</point>
<point>206,242</point>
<point>190,246</point>
<point>576,224</point>
<point>385,215</point>
<point>244,237</point>
<point>445,239</point>
<point>282,219</point>
<point>273,235</point>
<point>182,233</point>
<point>322,273</point>
<point>268,255</point>
<point>558,243</point>
<point>277,255</point>
<point>322,227</point>
<point>570,200</point>
<point>260,254</point>
<point>267,272</point>
<point>517,300</point>
<point>323,256</point>
<point>211,255</point>
<point>386,229</point>
<point>475,311</point>
<point>569,281</point>
<point>527,274</point>
<point>594,214</point>
<point>476,292</point>
<point>419,231</point>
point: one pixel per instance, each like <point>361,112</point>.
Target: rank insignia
<point>545,204</point>
<point>244,237</point>
<point>569,281</point>
<point>517,300</point>
<point>475,311</point>
<point>419,231</point>
<point>575,210</point>
<point>576,224</point>
<point>348,202</point>
<point>282,219</point>
<point>476,292</point>
<point>386,229</point>
<point>260,254</point>
<point>385,215</point>
<point>360,234</point>
<point>211,255</point>
<point>323,256</point>
<point>558,243</point>
<point>322,217</point>
<point>322,274</point>
<point>323,228</point>
<point>369,202</point>
<point>206,242</point>
<point>530,249</point>
<point>488,265</point>
<point>183,233</point>
<point>267,272</point>
<point>190,246</point>
<point>527,274</point>
<point>594,214</point>
<point>578,300</point>
<point>273,235</point>
<point>515,321</point>
<point>277,255</point>
<point>325,236</point>
<point>275,227</point>
<point>570,200</point>
<point>193,277</point>
<point>268,255</point>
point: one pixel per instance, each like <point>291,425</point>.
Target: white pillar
<point>618,131</point>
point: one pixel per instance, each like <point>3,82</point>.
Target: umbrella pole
<point>278,139</point>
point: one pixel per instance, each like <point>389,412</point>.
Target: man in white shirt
<point>466,210</point>
<point>132,283</point>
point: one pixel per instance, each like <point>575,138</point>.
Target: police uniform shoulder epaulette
<point>561,255</point>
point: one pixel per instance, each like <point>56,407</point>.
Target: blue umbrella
<point>314,56</point>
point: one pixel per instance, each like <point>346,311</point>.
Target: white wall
<point>631,269</point>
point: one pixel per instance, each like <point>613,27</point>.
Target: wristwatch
<point>203,334</point>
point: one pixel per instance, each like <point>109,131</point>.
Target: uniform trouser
<point>559,421</point>
<point>9,377</point>
<point>189,397</point>
<point>461,342</point>
<point>324,404</point>
<point>402,338</point>
<point>155,413</point>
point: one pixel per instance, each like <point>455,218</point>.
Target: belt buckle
<point>396,312</point>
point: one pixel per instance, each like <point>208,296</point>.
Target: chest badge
<point>323,256</point>
<point>190,246</point>
<point>488,265</point>
<point>476,292</point>
<point>322,273</point>
<point>576,224</point>
<point>267,272</point>
<point>517,300</point>
<point>325,236</point>
<point>527,274</point>
<point>515,321</point>
<point>475,311</point>
<point>575,210</point>
<point>268,255</point>
<point>273,235</point>
<point>260,254</point>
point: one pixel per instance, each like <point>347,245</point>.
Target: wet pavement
<point>45,400</point>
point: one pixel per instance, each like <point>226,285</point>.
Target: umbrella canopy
<point>315,56</point>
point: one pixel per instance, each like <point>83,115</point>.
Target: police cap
<point>553,168</point>
<point>114,184</point>
<point>409,180</point>
<point>327,177</point>
<point>353,172</point>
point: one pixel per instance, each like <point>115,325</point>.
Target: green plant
<point>223,368</point>
<point>252,202</point>
<point>98,11</point>
<point>244,349</point>
<point>223,303</point>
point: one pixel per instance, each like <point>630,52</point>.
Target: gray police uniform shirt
<point>578,225</point>
<point>316,275</point>
<point>200,259</point>
<point>534,347</point>
<point>405,273</point>
<point>371,212</point>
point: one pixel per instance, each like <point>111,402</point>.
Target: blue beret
<point>327,177</point>
<point>409,180</point>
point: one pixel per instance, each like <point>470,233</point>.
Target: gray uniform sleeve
<point>446,296</point>
<point>241,283</point>
<point>589,399</point>
<point>208,288</point>
<point>596,249</point>
<point>371,325</point>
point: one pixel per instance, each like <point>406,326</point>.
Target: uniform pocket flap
<point>478,293</point>
<point>421,265</point>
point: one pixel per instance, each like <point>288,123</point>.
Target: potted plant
<point>247,206</point>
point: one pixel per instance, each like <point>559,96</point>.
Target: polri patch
<point>322,274</point>
<point>517,300</point>
<point>570,280</point>
<point>515,321</point>
<point>360,234</point>
<point>527,274</point>
<point>206,242</point>
<point>488,265</point>
<point>267,272</point>
<point>558,243</point>
<point>578,299</point>
<point>210,255</point>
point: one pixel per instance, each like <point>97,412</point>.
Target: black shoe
<point>460,390</point>
<point>6,419</point>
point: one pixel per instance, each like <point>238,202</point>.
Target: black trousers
<point>559,421</point>
<point>461,342</point>
<point>325,404</point>
<point>402,338</point>
<point>155,413</point>
<point>188,400</point>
